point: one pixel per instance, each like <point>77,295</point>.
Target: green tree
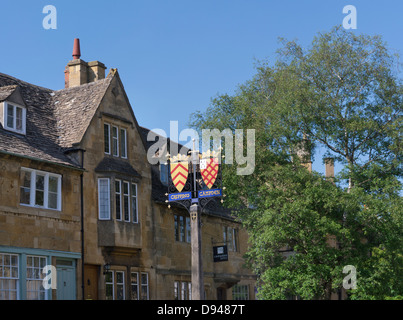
<point>343,95</point>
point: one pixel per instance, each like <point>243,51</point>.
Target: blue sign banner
<point>210,193</point>
<point>180,196</point>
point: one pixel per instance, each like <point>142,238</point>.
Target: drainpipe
<point>82,224</point>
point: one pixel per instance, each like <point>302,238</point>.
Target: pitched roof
<point>6,91</point>
<point>55,120</point>
<point>75,107</point>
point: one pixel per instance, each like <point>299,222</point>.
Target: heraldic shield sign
<point>179,174</point>
<point>209,170</point>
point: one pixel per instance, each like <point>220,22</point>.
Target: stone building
<point>78,194</point>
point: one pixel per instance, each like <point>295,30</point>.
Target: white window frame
<point>4,277</point>
<point>126,183</point>
<point>39,280</point>
<point>240,292</point>
<point>117,141</point>
<point>111,283</point>
<point>144,285</point>
<point>109,137</point>
<point>118,194</point>
<point>120,283</point>
<point>123,145</point>
<point>5,116</point>
<point>135,218</point>
<point>47,175</point>
<point>134,275</point>
<point>109,199</point>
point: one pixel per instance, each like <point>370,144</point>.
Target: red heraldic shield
<point>179,174</point>
<point>209,170</point>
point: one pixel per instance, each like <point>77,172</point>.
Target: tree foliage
<point>342,94</point>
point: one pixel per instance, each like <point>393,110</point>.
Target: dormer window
<point>14,117</point>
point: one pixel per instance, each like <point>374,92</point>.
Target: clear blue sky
<point>174,56</point>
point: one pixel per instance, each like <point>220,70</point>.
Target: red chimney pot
<point>76,49</point>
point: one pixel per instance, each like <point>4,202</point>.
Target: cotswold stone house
<point>78,194</point>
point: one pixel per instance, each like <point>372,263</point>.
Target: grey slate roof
<point>55,119</point>
<point>110,164</point>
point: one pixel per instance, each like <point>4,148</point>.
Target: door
<point>66,280</point>
<point>91,273</point>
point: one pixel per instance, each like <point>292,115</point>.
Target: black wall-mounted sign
<point>220,253</point>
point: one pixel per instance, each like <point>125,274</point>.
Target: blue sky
<point>174,56</point>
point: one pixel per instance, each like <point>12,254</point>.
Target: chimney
<point>96,71</point>
<point>329,168</point>
<point>79,72</point>
<point>304,153</point>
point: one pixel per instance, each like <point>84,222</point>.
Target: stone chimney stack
<point>304,154</point>
<point>78,72</point>
<point>329,168</point>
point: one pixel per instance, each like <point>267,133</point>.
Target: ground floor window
<point>35,289</point>
<point>22,274</point>
<point>182,290</point>
<point>115,285</point>
<point>9,277</point>
<point>240,292</point>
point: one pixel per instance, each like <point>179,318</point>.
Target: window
<point>164,174</point>
<point>118,200</point>
<point>109,286</point>
<point>188,234</point>
<point>123,144</point>
<point>103,199</point>
<point>14,118</point>
<point>134,203</point>
<point>115,285</point>
<point>182,229</point>
<point>9,277</point>
<point>144,286</point>
<point>40,189</point>
<point>35,290</point>
<point>126,195</point>
<point>240,292</point>
<point>115,141</point>
<point>120,285</point>
<point>126,204</point>
<point>230,236</point>
<point>182,290</point>
<point>107,139</point>
<point>134,279</point>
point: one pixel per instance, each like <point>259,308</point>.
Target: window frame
<point>134,215</point>
<point>109,199</point>
<point>240,292</point>
<point>126,195</point>
<point>33,189</point>
<point>182,229</point>
<point>134,275</point>
<point>120,200</point>
<point>113,138</point>
<point>4,292</point>
<point>123,146</point>
<point>6,104</point>
<point>146,285</point>
<point>109,138</point>
<point>41,276</point>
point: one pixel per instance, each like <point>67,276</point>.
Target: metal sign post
<point>194,193</point>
